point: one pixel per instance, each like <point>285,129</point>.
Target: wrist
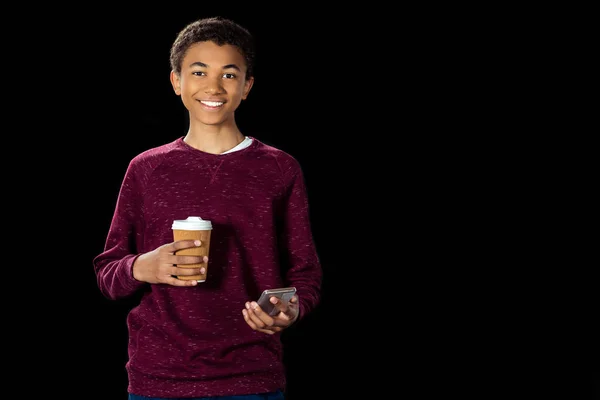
<point>135,270</point>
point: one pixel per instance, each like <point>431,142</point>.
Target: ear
<point>247,87</point>
<point>176,83</point>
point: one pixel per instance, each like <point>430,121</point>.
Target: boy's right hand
<point>159,265</point>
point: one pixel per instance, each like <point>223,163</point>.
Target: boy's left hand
<point>261,321</point>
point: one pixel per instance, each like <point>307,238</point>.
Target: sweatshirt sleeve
<point>304,266</point>
<point>114,266</point>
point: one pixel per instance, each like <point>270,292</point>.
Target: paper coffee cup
<point>193,228</point>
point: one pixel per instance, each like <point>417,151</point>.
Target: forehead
<point>213,55</point>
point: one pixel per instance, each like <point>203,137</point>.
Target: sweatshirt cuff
<point>126,274</point>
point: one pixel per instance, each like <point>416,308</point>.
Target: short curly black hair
<point>219,30</point>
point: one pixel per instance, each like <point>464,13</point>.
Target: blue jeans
<point>278,395</point>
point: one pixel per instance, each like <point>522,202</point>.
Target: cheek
<point>186,98</point>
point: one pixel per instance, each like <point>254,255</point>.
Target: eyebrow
<point>228,66</point>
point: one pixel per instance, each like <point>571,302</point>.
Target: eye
<point>229,76</point>
<point>199,73</point>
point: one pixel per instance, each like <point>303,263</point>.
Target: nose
<point>213,86</point>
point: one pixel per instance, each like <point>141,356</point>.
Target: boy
<point>197,340</point>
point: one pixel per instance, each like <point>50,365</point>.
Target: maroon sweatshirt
<point>193,341</point>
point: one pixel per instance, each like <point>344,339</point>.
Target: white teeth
<point>213,103</point>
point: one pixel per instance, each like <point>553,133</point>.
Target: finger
<point>263,320</point>
<point>284,306</point>
<point>182,244</point>
<point>258,316</point>
<point>288,312</point>
<point>249,320</point>
<point>281,306</point>
<point>183,270</point>
<point>173,281</point>
<point>269,331</point>
<point>187,271</point>
<point>254,326</point>
<point>292,307</point>
<point>186,260</point>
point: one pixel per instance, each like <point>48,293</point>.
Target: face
<point>212,83</point>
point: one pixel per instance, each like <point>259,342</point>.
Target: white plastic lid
<point>192,224</point>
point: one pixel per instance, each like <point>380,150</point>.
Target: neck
<point>213,142</point>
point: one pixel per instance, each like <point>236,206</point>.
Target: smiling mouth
<point>212,103</point>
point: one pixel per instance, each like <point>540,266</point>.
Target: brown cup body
<point>202,250</point>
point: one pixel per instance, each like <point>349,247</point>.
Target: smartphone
<point>284,294</point>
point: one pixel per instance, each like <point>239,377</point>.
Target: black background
<point>304,101</point>
<point>401,124</point>
<point>88,88</point>
<point>142,111</point>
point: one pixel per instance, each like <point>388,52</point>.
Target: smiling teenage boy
<point>210,339</point>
